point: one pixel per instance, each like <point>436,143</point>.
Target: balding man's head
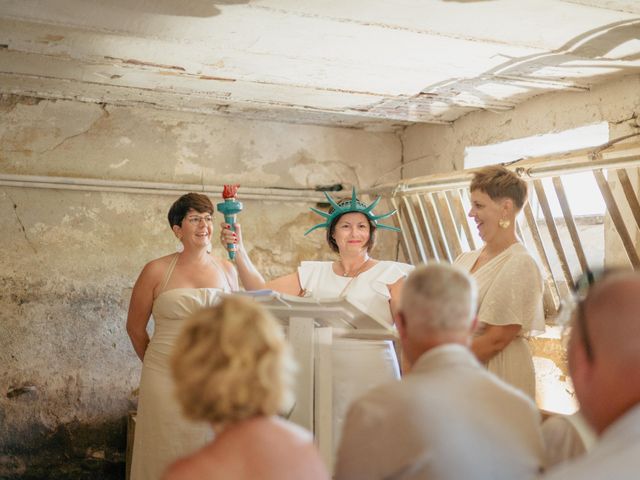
<point>438,305</point>
<point>604,352</point>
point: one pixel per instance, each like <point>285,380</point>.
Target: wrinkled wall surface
<point>436,149</point>
<point>69,258</point>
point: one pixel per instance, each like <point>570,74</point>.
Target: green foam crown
<point>349,206</point>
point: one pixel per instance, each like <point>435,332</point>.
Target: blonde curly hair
<point>231,362</point>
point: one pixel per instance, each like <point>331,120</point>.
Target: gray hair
<point>439,297</point>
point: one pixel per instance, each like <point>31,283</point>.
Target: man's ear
<point>578,362</point>
<point>401,324</point>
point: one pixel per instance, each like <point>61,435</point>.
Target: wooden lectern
<point>312,324</point>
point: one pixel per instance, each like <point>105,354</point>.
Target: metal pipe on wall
<point>155,188</point>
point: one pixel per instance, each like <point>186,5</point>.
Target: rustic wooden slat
<point>571,224</point>
<point>453,232</point>
<point>436,228</point>
<point>616,217</point>
<point>542,253</point>
<point>404,229</point>
<point>386,205</point>
<point>553,230</point>
<point>451,240</point>
<point>630,195</point>
<point>455,200</point>
<point>426,228</point>
<point>414,229</point>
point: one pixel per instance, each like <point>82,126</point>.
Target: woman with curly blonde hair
<point>233,369</point>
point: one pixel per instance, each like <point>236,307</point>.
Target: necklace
<point>357,272</point>
<point>344,291</point>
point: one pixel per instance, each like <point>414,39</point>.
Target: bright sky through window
<point>580,187</point>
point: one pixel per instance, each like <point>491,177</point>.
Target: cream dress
<point>162,433</point>
<point>358,365</point>
<point>510,288</point>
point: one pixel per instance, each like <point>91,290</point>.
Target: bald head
<point>612,317</point>
<point>607,381</point>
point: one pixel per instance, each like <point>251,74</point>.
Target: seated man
<point>448,418</point>
<point>604,364</point>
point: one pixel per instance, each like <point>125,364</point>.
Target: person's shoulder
<point>390,408</point>
<point>518,250</point>
<point>380,400</point>
<point>227,265</point>
<point>179,470</point>
<point>295,432</point>
<point>161,261</point>
<point>390,272</point>
<point>189,468</point>
<point>521,258</point>
<point>392,266</point>
<point>308,266</point>
<point>400,265</point>
<point>196,466</point>
<point>314,263</point>
<point>157,267</point>
<point>466,255</point>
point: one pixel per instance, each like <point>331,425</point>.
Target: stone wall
<point>70,257</point>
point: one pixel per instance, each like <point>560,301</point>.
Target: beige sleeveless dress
<point>162,433</point>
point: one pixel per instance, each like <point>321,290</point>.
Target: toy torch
<point>230,208</point>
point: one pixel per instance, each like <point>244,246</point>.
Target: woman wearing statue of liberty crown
<point>372,285</point>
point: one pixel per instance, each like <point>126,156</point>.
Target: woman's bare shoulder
<point>226,264</point>
<point>158,266</point>
<point>197,466</point>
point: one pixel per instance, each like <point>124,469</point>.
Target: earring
<point>209,248</point>
<point>180,246</point>
<point>504,223</point>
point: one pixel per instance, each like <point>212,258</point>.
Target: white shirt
<point>616,456</point>
<point>369,291</point>
<point>448,419</point>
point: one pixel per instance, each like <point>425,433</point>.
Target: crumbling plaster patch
<point>193,148</point>
<point>60,123</point>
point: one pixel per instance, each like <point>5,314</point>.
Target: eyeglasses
<point>581,290</point>
<point>581,324</point>
<point>196,219</point>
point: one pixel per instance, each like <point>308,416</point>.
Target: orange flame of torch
<point>230,191</point>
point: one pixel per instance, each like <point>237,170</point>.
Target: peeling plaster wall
<point>69,258</point>
<point>436,149</point>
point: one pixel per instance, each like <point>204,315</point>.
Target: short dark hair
<point>189,201</point>
<point>332,242</point>
<point>499,182</point>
